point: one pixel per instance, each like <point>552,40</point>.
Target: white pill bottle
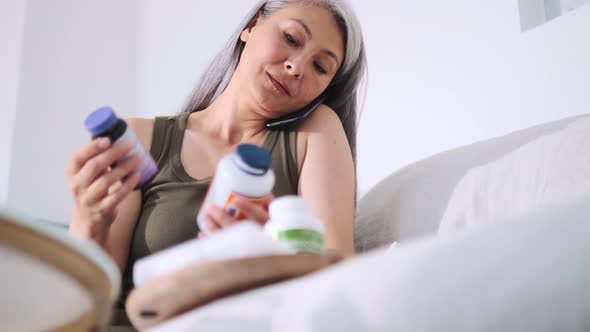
<point>245,173</point>
<point>293,223</point>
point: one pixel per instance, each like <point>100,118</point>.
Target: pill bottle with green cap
<point>103,122</point>
<point>293,223</point>
<point>246,173</point>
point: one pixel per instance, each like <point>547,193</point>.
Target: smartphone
<point>296,116</point>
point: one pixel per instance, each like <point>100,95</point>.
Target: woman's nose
<point>294,67</point>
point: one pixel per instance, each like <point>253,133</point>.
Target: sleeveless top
<point>170,202</point>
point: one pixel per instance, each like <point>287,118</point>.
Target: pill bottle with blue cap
<point>246,173</point>
<point>103,122</point>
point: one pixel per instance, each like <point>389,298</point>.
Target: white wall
<point>177,40</point>
<point>76,56</point>
<point>532,13</point>
<point>442,74</point>
<point>11,27</point>
<point>447,73</point>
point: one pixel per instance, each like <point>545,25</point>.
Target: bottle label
<point>235,212</point>
<point>302,240</point>
<point>147,167</point>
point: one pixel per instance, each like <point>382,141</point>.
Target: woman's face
<point>290,58</point>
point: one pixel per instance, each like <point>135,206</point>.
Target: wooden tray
<point>175,293</point>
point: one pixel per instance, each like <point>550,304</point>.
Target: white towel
<point>245,239</point>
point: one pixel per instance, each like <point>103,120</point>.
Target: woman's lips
<point>278,85</point>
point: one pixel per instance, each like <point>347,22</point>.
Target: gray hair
<point>341,94</point>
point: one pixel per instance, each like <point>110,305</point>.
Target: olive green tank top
<point>170,202</point>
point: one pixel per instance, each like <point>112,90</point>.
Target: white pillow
<point>547,170</point>
<point>531,275</point>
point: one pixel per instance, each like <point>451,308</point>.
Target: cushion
<point>411,202</point>
<point>531,275</point>
<point>550,168</point>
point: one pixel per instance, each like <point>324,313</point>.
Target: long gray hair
<point>341,94</point>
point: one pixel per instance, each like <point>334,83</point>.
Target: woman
<point>286,58</point>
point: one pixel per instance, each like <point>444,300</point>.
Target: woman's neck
<point>232,119</point>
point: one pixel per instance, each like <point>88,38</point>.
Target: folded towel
<point>245,239</point>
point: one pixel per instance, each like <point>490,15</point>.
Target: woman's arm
<point>114,235</point>
<point>121,231</point>
<point>327,178</point>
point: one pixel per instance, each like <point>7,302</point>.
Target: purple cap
<point>100,120</point>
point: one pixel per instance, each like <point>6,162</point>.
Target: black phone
<point>296,116</point>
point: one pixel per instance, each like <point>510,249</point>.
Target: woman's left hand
<point>217,218</point>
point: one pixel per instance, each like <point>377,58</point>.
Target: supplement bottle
<point>245,173</point>
<point>103,122</point>
<point>292,222</point>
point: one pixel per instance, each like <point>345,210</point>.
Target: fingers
<point>110,202</point>
<point>85,153</point>
<point>210,225</point>
<point>253,211</point>
<point>106,183</point>
<point>219,218</point>
<point>98,187</point>
<point>101,163</point>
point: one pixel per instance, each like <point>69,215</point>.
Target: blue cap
<point>254,156</point>
<point>100,120</point>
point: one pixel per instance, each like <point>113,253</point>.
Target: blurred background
<point>441,74</point>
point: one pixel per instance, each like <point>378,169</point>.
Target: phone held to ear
<point>296,116</point>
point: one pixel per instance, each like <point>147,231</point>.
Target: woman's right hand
<point>96,187</point>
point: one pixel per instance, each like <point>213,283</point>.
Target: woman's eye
<point>319,68</point>
<point>290,40</point>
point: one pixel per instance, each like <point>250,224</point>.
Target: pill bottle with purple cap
<point>103,122</point>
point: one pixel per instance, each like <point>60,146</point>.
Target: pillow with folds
<point>548,170</point>
<point>527,275</point>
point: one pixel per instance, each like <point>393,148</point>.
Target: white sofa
<point>410,202</point>
<point>532,274</point>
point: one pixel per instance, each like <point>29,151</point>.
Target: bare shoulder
<point>322,120</point>
<point>319,130</point>
<point>322,126</point>
<point>143,128</point>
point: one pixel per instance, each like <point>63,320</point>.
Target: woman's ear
<point>245,35</point>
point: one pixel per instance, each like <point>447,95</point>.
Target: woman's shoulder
<point>321,128</point>
<point>323,120</point>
